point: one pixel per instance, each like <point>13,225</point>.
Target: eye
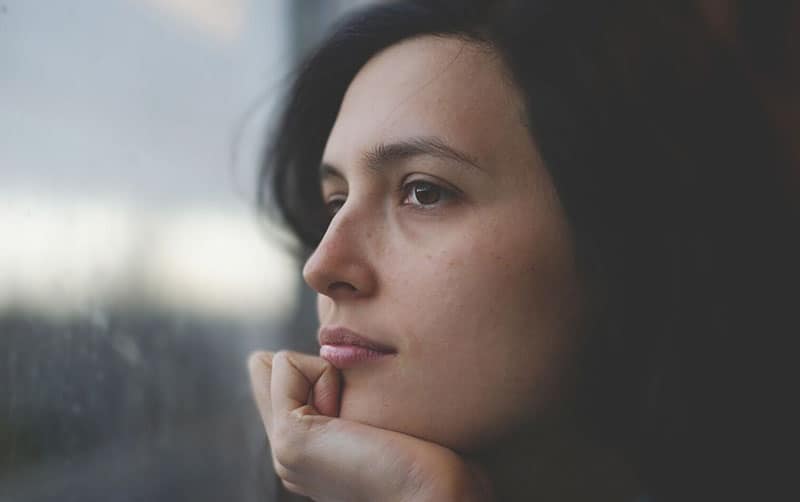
<point>425,194</point>
<point>334,204</point>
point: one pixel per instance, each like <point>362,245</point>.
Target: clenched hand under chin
<point>326,458</point>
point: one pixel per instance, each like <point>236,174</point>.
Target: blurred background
<point>135,272</point>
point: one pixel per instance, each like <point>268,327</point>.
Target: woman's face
<point>447,244</point>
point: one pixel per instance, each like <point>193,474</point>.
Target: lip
<point>345,349</point>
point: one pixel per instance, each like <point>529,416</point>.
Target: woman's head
<point>536,209</point>
<point>447,243</point>
<point>446,239</point>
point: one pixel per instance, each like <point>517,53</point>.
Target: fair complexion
<point>447,245</point>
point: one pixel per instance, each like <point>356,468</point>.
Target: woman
<point>527,233</point>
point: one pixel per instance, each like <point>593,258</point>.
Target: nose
<point>340,267</point>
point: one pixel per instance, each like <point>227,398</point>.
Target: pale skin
<point>448,243</point>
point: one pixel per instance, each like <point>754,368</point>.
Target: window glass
<point>135,274</point>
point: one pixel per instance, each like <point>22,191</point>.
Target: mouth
<point>346,349</point>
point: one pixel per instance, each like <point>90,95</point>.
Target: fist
<point>319,455</point>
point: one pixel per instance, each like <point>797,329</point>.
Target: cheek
<point>481,312</point>
<point>489,326</point>
<point>482,281</point>
<point>468,308</point>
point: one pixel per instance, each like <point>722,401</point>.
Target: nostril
<point>341,286</point>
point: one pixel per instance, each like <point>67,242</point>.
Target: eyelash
<point>445,194</point>
<point>406,191</point>
<point>334,204</point>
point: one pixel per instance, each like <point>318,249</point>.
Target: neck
<point>557,467</point>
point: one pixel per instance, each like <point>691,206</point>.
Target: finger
<point>260,366</point>
<point>297,376</point>
<point>296,489</point>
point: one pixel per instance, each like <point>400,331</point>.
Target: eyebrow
<point>386,153</point>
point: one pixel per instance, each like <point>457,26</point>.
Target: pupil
<point>426,194</point>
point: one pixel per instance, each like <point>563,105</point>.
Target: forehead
<point>429,86</point>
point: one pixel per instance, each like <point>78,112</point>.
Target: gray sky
<point>137,98</point>
<point>118,119</point>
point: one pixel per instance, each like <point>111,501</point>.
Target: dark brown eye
<point>425,193</point>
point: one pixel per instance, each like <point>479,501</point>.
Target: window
<point>135,276</point>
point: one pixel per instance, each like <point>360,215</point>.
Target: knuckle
<point>281,355</point>
<point>286,354</point>
<point>296,489</point>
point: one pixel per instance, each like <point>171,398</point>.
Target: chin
<point>415,419</point>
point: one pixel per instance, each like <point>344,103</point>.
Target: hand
<point>318,455</point>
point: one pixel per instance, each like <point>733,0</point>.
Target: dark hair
<point>674,185</point>
<point>292,163</point>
